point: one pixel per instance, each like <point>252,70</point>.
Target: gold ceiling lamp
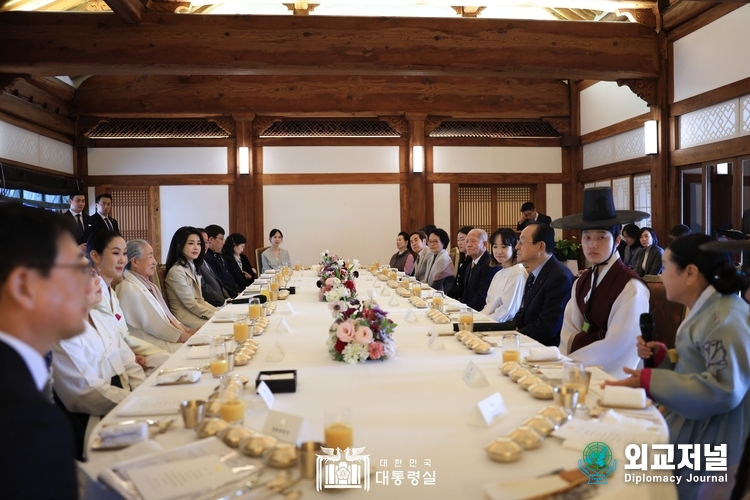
<point>468,11</point>
<point>301,8</point>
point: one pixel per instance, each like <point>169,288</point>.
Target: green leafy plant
<point>566,250</point>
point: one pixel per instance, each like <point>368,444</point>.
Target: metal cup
<point>567,397</point>
<point>192,412</point>
<point>308,456</point>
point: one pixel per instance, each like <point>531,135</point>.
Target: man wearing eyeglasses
<point>44,283</point>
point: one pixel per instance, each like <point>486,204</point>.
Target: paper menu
<point>138,406</point>
<point>174,480</point>
<point>578,433</point>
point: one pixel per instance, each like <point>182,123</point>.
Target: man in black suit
<point>82,227</point>
<point>529,215</point>
<point>44,281</point>
<point>215,259</point>
<point>479,274</point>
<point>211,288</point>
<point>459,282</point>
<point>547,287</point>
<point>101,219</point>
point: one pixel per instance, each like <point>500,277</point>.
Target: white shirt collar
<point>73,213</point>
<point>702,298</point>
<point>34,361</point>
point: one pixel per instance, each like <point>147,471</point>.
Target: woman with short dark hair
<point>403,259</point>
<point>237,262</point>
<point>505,293</point>
<point>183,281</point>
<point>439,269</point>
<point>648,261</point>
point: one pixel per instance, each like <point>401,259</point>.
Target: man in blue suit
<point>547,287</point>
<point>44,281</point>
<point>479,274</point>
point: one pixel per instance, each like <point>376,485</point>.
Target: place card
<point>433,342</point>
<point>265,393</point>
<point>276,354</point>
<point>378,284</point>
<point>182,478</point>
<point>290,307</point>
<point>284,326</point>
<point>473,376</point>
<point>283,426</point>
<point>386,292</point>
<point>410,317</point>
<point>393,301</point>
<point>492,409</point>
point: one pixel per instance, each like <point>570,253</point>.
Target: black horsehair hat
<point>598,212</point>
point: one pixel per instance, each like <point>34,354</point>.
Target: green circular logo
<point>597,456</point>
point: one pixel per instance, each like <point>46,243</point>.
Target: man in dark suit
<point>215,259</point>
<point>211,288</point>
<point>459,282</point>
<point>101,219</point>
<point>529,215</point>
<point>479,274</point>
<point>44,283</point>
<point>547,287</point>
<point>82,227</point>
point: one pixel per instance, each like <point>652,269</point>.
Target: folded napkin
<point>123,435</point>
<point>199,339</point>
<point>544,354</point>
<point>624,397</point>
<point>185,377</point>
<point>635,424</point>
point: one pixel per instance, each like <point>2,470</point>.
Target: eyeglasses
<point>433,242</point>
<point>85,269</point>
<point>521,241</point>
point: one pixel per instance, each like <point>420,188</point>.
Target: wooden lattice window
<point>137,213</point>
<point>491,207</point>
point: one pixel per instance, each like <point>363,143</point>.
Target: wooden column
<point>241,193</point>
<point>413,199</point>
<point>660,208</point>
<point>572,161</point>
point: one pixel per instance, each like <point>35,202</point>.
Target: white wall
<point>605,104</point>
<point>19,144</point>
<point>352,221</point>
<point>713,56</point>
<point>151,161</point>
<point>442,206</point>
<point>496,159</point>
<point>554,204</point>
<point>196,206</point>
<point>330,159</point>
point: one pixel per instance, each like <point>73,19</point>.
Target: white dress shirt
<point>505,295</point>
<point>34,361</point>
<point>617,349</point>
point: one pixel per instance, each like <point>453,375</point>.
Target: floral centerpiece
<point>360,332</point>
<point>336,279</point>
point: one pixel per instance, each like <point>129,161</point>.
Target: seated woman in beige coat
<point>184,262</point>
<point>146,312</point>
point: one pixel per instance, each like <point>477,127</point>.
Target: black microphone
<point>647,332</point>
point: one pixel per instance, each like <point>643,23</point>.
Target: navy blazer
<point>98,223</point>
<point>81,237</point>
<point>37,452</point>
<point>217,263</point>
<point>478,281</point>
<point>457,289</point>
<point>543,307</point>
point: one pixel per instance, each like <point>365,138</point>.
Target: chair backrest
<point>160,277</point>
<point>455,256</point>
<point>667,315</point>
<point>259,259</point>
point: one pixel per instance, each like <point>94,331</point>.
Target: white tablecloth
<point>413,407</point>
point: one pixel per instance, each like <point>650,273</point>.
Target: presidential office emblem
<point>597,463</point>
<point>336,471</point>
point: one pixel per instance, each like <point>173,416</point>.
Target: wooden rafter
<point>46,44</point>
<point>129,11</point>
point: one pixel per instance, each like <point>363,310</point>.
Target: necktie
<point>80,224</point>
<point>108,223</point>
<point>529,284</point>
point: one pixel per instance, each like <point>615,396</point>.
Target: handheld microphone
<point>647,332</point>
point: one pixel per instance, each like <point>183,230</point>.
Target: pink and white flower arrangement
<point>336,279</point>
<point>360,332</point>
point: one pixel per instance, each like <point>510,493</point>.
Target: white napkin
<point>624,397</point>
<point>186,377</point>
<point>198,352</point>
<point>124,435</point>
<point>199,339</point>
<point>544,354</point>
<point>635,424</point>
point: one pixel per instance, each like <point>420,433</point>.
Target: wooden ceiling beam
<point>315,95</point>
<point>47,44</point>
<point>129,11</point>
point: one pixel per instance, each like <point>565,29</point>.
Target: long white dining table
<point>413,413</point>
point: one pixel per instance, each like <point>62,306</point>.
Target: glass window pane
<point>642,196</point>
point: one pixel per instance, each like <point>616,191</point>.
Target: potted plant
<point>568,251</point>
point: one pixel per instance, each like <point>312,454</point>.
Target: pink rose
<point>329,282</point>
<point>345,331</point>
<point>363,335</point>
<point>376,350</point>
